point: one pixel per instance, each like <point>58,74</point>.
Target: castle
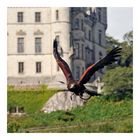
<point>80,32</point>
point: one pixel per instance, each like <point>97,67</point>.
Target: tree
<point>127,48</point>
<point>118,80</point>
<point>111,43</point>
<point>128,37</point>
<point>126,58</point>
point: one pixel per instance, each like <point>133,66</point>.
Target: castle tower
<point>60,29</point>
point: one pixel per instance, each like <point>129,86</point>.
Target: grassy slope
<point>98,115</point>
<point>32,101</point>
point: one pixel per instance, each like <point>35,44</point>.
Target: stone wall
<point>62,101</point>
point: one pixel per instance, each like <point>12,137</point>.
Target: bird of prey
<point>77,86</point>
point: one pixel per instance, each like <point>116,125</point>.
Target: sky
<point>120,21</point>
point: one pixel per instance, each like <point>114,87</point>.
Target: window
<point>82,51</point>
<point>77,50</point>
<point>85,31</point>
<point>38,67</point>
<point>100,54</point>
<point>89,35</point>
<point>37,44</point>
<point>60,50</point>
<point>100,37</point>
<point>100,57</point>
<point>20,67</point>
<point>99,14</point>
<point>76,23</point>
<point>77,72</point>
<point>58,39</point>
<point>20,17</point>
<point>37,17</point>
<point>82,24</point>
<point>87,53</point>
<point>57,14</point>
<point>20,45</point>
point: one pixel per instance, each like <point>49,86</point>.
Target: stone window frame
<point>77,72</point>
<point>38,44</point>
<point>60,49</point>
<point>20,17</point>
<point>57,37</point>
<point>77,50</point>
<point>89,35</point>
<point>37,17</point>
<point>76,23</point>
<point>82,24</point>
<point>21,67</point>
<point>38,67</point>
<point>100,37</point>
<point>57,14</point>
<point>20,44</point>
<point>38,32</point>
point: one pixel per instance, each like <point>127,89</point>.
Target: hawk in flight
<point>77,87</point>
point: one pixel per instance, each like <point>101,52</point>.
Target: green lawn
<point>31,100</point>
<point>98,115</point>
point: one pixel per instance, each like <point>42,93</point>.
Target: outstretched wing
<point>108,59</point>
<point>62,64</point>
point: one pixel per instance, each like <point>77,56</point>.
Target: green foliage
<point>67,117</point>
<point>126,58</point>
<point>126,55</point>
<point>13,127</point>
<point>118,83</point>
<point>118,79</point>
<point>128,38</point>
<point>111,42</point>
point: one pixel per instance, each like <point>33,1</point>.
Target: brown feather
<point>108,59</point>
<point>62,64</point>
